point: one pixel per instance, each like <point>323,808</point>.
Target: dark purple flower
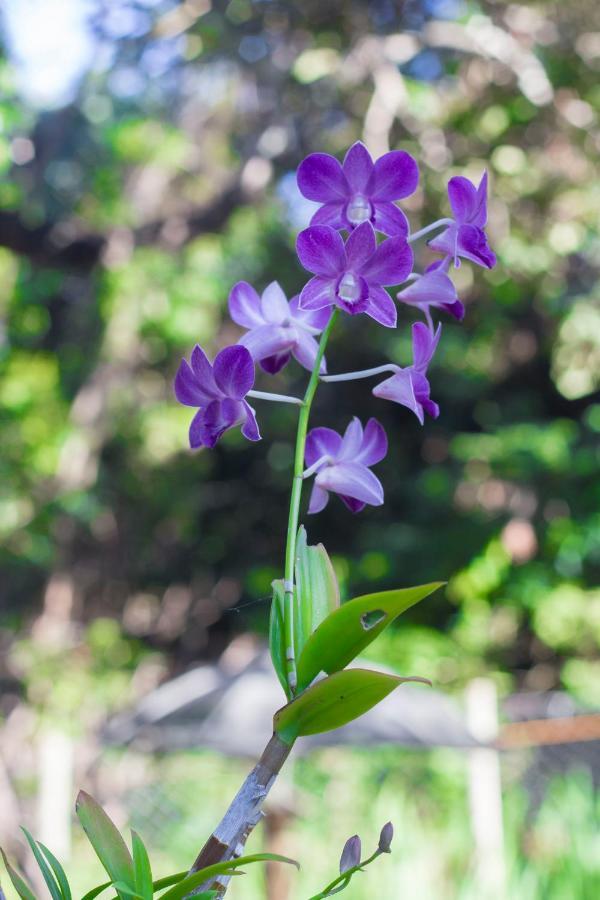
<point>350,857</point>
<point>410,386</point>
<point>434,289</point>
<point>352,275</point>
<point>466,237</point>
<point>277,329</point>
<point>219,390</point>
<point>359,190</point>
<point>342,464</point>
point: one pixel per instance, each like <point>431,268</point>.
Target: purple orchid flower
<point>352,275</point>
<point>434,289</point>
<point>359,190</point>
<point>410,386</point>
<point>342,465</point>
<point>277,329</point>
<point>465,236</point>
<point>219,390</point>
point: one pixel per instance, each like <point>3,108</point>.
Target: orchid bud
<point>350,854</point>
<point>385,838</point>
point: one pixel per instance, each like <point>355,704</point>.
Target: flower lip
<point>358,210</point>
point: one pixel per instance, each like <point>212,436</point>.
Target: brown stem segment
<point>245,811</point>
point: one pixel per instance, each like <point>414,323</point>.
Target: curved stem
<point>292,529</point>
<point>363,373</point>
<point>338,884</point>
<point>428,228</point>
<point>276,398</point>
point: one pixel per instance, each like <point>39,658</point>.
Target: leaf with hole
<point>335,701</point>
<point>106,840</point>
<point>348,630</point>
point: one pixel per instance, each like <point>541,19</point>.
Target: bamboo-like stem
<point>296,493</point>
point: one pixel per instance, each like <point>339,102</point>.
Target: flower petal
<point>317,294</point>
<point>320,178</point>
<point>309,318</point>
<point>390,219</point>
<point>399,389</point>
<point>321,250</point>
<point>329,214</point>
<point>396,175</point>
<point>274,364</point>
<point>446,242</point>
<point>244,305</point>
<point>267,340</point>
<point>479,217</point>
<point>434,288</point>
<point>374,444</point>
<point>391,263</point>
<point>352,440</point>
<point>352,480</point>
<point>209,424</point>
<point>463,198</point>
<point>321,442</point>
<point>355,506</point>
<point>234,371</point>
<point>274,304</point>
<point>360,246</point>
<point>188,388</point>
<point>424,345</point>
<point>381,307</point>
<point>358,167</point>
<point>305,351</point>
<point>318,499</point>
<point>250,426</point>
<point>471,243</point>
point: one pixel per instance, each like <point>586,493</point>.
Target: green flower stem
<point>342,881</point>
<point>292,530</point>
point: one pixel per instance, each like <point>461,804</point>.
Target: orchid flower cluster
<point>351,272</point>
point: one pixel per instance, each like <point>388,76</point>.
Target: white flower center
<point>349,288</point>
<point>358,210</point>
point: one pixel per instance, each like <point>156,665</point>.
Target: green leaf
<point>123,888</point>
<point>106,840</point>
<point>277,635</point>
<point>348,630</point>
<point>20,886</point>
<point>91,895</point>
<point>316,591</point>
<point>335,701</point>
<point>197,878</point>
<point>49,878</point>
<point>141,867</point>
<point>61,876</point>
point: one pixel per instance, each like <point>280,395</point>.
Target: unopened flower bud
<point>350,854</point>
<point>385,838</point>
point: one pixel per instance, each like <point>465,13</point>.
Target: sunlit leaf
<point>316,592</point>
<point>91,895</point>
<point>353,626</point>
<point>335,701</point>
<point>197,878</point>
<point>60,873</point>
<point>277,635</point>
<point>48,876</point>
<point>106,840</point>
<point>141,867</point>
<point>20,886</point>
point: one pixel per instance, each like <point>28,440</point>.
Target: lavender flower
<point>350,857</point>
<point>342,465</point>
<point>359,190</point>
<point>434,289</point>
<point>219,392</point>
<point>410,386</point>
<point>352,275</point>
<point>277,330</point>
<point>465,236</point>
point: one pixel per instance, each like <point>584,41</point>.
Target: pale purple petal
<point>399,389</point>
<point>274,304</point>
<point>234,371</point>
<point>330,214</point>
<point>268,340</point>
<point>305,351</point>
<point>479,217</point>
<point>422,389</point>
<point>318,499</point>
<point>424,345</point>
<point>463,198</point>
<point>203,369</point>
<point>352,440</point>
<point>311,318</point>
<point>396,175</point>
<point>390,219</point>
<point>381,307</point>
<point>320,178</point>
<point>244,305</point>
<point>358,167</point>
<point>360,246</point>
<point>321,442</point>
<point>391,263</point>
<point>434,288</point>
<point>318,294</point>
<point>352,480</point>
<point>446,242</point>
<point>321,250</point>
<point>250,426</point>
<point>374,444</point>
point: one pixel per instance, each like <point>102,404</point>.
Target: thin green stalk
<point>338,884</point>
<point>292,529</point>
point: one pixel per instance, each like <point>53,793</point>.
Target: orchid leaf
<point>225,868</point>
<point>61,875</point>
<point>141,867</point>
<point>91,895</point>
<point>20,886</point>
<point>353,626</point>
<point>335,701</point>
<point>277,635</point>
<point>316,590</point>
<point>106,840</point>
<point>47,874</point>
